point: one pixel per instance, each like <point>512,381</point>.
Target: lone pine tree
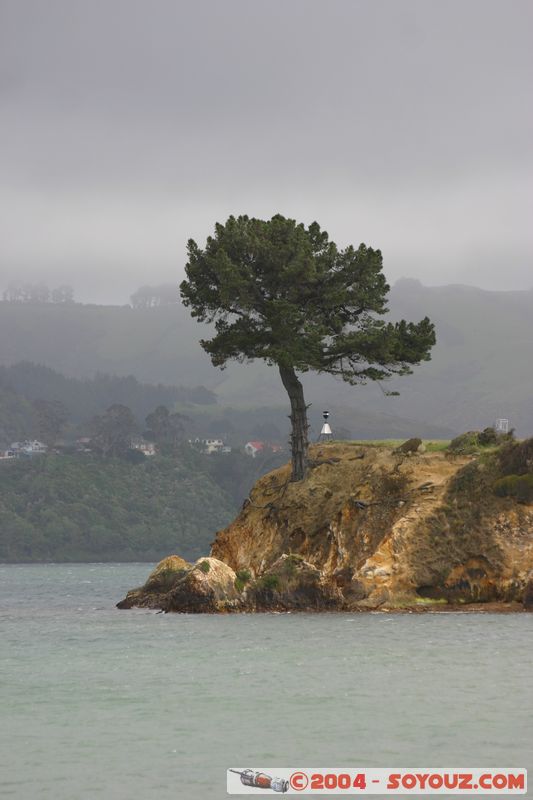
<point>286,294</point>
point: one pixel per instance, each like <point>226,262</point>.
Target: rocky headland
<point>370,528</point>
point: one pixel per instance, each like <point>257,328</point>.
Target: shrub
<point>270,582</point>
<point>517,458</point>
<point>242,578</point>
<point>518,486</point>
<point>205,566</point>
<point>488,436</point>
<point>471,441</point>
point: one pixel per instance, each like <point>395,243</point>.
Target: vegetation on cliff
<point>374,527</point>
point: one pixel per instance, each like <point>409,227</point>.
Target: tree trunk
<point>298,418</point>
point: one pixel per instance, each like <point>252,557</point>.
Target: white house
<point>213,445</point>
<point>28,448</point>
<point>148,448</point>
<point>210,446</point>
<point>254,448</point>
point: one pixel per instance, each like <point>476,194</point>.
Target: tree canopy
<point>284,293</point>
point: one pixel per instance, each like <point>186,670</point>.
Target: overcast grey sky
<point>130,125</point>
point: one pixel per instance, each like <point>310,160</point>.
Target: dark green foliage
<point>515,461</point>
<point>473,441</point>
<point>17,417</point>
<point>487,437</point>
<point>51,416</point>
<point>517,458</point>
<point>134,456</point>
<point>283,293</point>
<point>111,432</point>
<point>465,442</point>
<point>167,429</point>
<point>518,486</point>
<point>63,508</point>
<point>286,294</point>
<point>204,566</point>
<point>271,582</point>
<point>243,576</point>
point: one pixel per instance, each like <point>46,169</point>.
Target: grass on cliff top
<point>432,445</point>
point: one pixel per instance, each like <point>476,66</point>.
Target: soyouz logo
<point>395,781</point>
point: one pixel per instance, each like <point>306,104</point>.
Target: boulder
<point>159,582</point>
<point>208,586</point>
<point>410,446</point>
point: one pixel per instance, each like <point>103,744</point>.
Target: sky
<point>129,126</point>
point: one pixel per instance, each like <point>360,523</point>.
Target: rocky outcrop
<point>206,586</point>
<point>369,528</point>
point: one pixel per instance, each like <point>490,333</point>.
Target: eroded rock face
<point>291,583</point>
<point>528,594</point>
<point>367,529</point>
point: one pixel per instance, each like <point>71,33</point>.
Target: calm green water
<point>100,703</point>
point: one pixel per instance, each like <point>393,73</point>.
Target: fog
<point>128,127</point>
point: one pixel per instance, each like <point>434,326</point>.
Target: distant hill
<point>479,371</point>
<point>85,397</point>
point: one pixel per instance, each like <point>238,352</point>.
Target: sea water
<point>101,703</point>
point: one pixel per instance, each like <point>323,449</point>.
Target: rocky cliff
<point>370,528</point>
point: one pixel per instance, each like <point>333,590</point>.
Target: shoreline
<point>456,608</point>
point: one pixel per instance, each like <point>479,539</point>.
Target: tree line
<point>38,293</point>
<point>153,296</point>
<point>83,399</point>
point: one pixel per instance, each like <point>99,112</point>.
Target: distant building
<point>148,448</point>
<point>501,426</point>
<point>213,445</point>
<point>255,448</point>
<point>210,446</point>
<point>28,448</point>
<point>7,454</point>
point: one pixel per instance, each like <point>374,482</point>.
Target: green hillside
<point>61,508</point>
<point>17,417</point>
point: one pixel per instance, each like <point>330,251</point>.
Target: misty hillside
<point>479,371</point>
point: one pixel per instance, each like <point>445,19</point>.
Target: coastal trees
<point>112,430</point>
<point>165,428</point>
<point>286,294</point>
<point>153,296</point>
<point>51,417</point>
